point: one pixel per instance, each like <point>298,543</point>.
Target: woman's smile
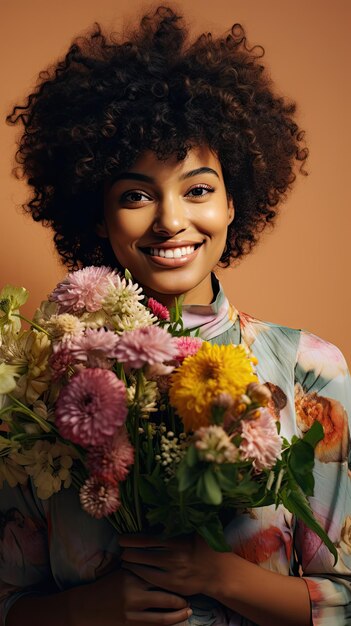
<point>172,254</point>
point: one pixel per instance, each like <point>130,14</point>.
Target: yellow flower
<point>49,464</point>
<point>29,354</point>
<point>8,375</point>
<point>213,370</point>
<point>11,472</point>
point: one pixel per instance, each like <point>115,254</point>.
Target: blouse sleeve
<point>323,393</point>
<point>24,554</point>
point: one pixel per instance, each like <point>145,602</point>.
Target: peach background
<point>299,274</point>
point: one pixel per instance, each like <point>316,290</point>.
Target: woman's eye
<point>135,196</point>
<point>200,191</point>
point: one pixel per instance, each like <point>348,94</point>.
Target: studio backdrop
<point>299,275</point>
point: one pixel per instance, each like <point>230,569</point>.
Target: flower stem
<point>7,409</point>
<point>47,427</point>
<point>136,468</point>
<point>149,449</point>
<point>172,420</point>
<point>136,472</point>
<point>31,323</point>
<point>22,408</point>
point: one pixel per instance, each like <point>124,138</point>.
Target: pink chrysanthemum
<point>91,407</point>
<point>111,463</point>
<point>261,441</point>
<point>99,499</point>
<point>143,346</point>
<point>187,346</point>
<point>83,290</point>
<point>158,309</point>
<point>94,346</point>
<point>60,359</point>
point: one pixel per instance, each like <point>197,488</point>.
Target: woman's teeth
<point>172,253</point>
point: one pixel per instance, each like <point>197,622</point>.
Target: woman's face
<point>167,223</point>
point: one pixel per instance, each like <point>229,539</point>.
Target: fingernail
<point>189,612</point>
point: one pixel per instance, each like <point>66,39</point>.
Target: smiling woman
<point>168,156</point>
<point>171,230</point>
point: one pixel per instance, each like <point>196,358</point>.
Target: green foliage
<point>212,532</point>
<point>201,494</point>
<point>293,498</point>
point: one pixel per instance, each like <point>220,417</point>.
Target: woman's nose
<point>171,217</point>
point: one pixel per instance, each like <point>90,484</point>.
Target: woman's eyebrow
<point>199,170</point>
<point>148,179</point>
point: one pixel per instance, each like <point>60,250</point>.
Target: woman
<point>167,157</point>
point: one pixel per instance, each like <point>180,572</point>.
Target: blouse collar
<point>212,319</point>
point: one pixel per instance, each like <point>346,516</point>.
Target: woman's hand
<point>123,599</point>
<point>182,565</point>
<point>140,598</point>
<point>117,599</point>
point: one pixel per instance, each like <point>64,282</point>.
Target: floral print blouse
<point>53,545</point>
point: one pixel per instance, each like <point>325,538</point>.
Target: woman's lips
<point>177,261</point>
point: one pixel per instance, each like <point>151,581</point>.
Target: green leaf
<point>152,490</point>
<point>314,434</point>
<point>176,310</point>
<point>212,533</point>
<point>200,487</point>
<point>191,456</point>
<point>212,493</point>
<point>158,515</point>
<point>196,517</point>
<point>128,275</point>
<point>296,502</point>
<point>186,477</point>
<point>227,477</point>
<point>300,464</point>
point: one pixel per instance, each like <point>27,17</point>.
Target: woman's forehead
<point>198,157</point>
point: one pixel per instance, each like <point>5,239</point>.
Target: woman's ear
<point>101,230</point>
<point>231,210</point>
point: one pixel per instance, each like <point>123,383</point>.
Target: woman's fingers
<point>164,600</point>
<point>146,557</point>
<point>157,619</point>
<point>151,575</point>
<point>140,595</point>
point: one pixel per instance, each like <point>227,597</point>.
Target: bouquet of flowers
<point>107,391</point>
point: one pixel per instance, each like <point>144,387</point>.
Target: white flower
<point>172,451</point>
<point>65,324</point>
<point>45,312</point>
<point>123,306</point>
<point>8,374</point>
<point>96,319</point>
<point>148,402</point>
<point>122,297</point>
<point>214,445</point>
<point>139,317</point>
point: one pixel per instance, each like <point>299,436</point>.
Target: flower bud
<point>259,393</point>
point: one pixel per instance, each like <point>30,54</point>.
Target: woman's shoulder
<point>306,350</point>
<point>278,337</point>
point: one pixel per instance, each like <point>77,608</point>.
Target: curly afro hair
<point>113,97</point>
